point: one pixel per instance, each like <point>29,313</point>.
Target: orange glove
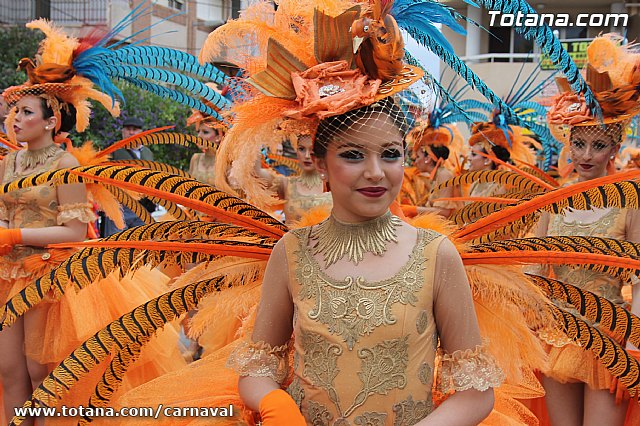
<point>8,239</point>
<point>278,408</point>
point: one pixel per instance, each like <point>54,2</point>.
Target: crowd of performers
<point>397,273</point>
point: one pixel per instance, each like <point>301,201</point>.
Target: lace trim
<point>260,359</point>
<point>467,369</point>
<point>80,211</point>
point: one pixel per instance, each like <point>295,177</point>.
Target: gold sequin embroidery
<point>371,419</point>
<point>353,307</point>
<point>383,368</point>
<point>410,412</point>
<point>425,374</point>
<point>422,322</point>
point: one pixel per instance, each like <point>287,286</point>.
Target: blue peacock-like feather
<point>164,57</point>
<point>420,27</point>
<point>439,89</point>
<point>549,43</point>
<point>175,95</point>
<point>149,67</point>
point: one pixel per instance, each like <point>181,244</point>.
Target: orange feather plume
<point>187,202</point>
<point>546,176</point>
<point>510,214</point>
<point>515,169</point>
<point>126,141</point>
<point>9,144</point>
<point>547,257</point>
<point>260,253</point>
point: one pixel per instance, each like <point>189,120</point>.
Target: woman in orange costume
<point>303,192</point>
<point>51,102</point>
<point>504,144</point>
<point>202,165</point>
<point>431,150</point>
<point>54,98</point>
<point>577,386</point>
<point>31,219</point>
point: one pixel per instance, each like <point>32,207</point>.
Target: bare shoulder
<point>68,160</point>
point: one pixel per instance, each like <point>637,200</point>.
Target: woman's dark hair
<point>500,153</point>
<point>67,114</point>
<point>330,127</point>
<point>440,151</point>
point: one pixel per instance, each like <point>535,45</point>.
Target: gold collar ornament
<point>333,239</point>
<point>31,158</point>
<point>310,180</point>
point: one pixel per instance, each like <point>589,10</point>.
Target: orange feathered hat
<point>308,60</point>
<point>613,74</point>
<point>423,135</point>
<point>518,144</point>
<point>53,78</point>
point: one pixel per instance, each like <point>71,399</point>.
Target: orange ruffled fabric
<point>352,90</point>
<point>568,108</point>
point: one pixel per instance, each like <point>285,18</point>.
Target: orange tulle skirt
<point>54,328</point>
<point>572,364</point>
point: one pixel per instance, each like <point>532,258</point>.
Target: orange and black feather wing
<point>181,190</point>
<point>596,309</point>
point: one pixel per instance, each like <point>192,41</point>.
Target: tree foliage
<point>17,42</point>
<point>154,111</point>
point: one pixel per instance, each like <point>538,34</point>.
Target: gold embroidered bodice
<point>297,204</point>
<point>363,350</point>
<point>608,223</point>
<point>33,207</point>
<point>203,169</point>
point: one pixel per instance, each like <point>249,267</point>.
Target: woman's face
<point>590,150</point>
<point>304,154</point>
<point>209,134</point>
<point>422,161</point>
<point>476,161</point>
<point>29,122</point>
<point>364,167</point>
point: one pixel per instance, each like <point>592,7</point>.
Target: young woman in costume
<point>202,165</point>
<point>53,100</point>
<point>31,219</point>
<point>577,386</point>
<point>505,145</point>
<point>303,192</point>
<point>431,149</point>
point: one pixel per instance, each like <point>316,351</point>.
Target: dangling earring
<point>322,176</point>
<point>612,157</point>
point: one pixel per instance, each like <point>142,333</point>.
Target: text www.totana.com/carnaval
<point>155,412</point>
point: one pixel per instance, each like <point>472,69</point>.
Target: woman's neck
<point>40,143</point>
<point>585,178</point>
